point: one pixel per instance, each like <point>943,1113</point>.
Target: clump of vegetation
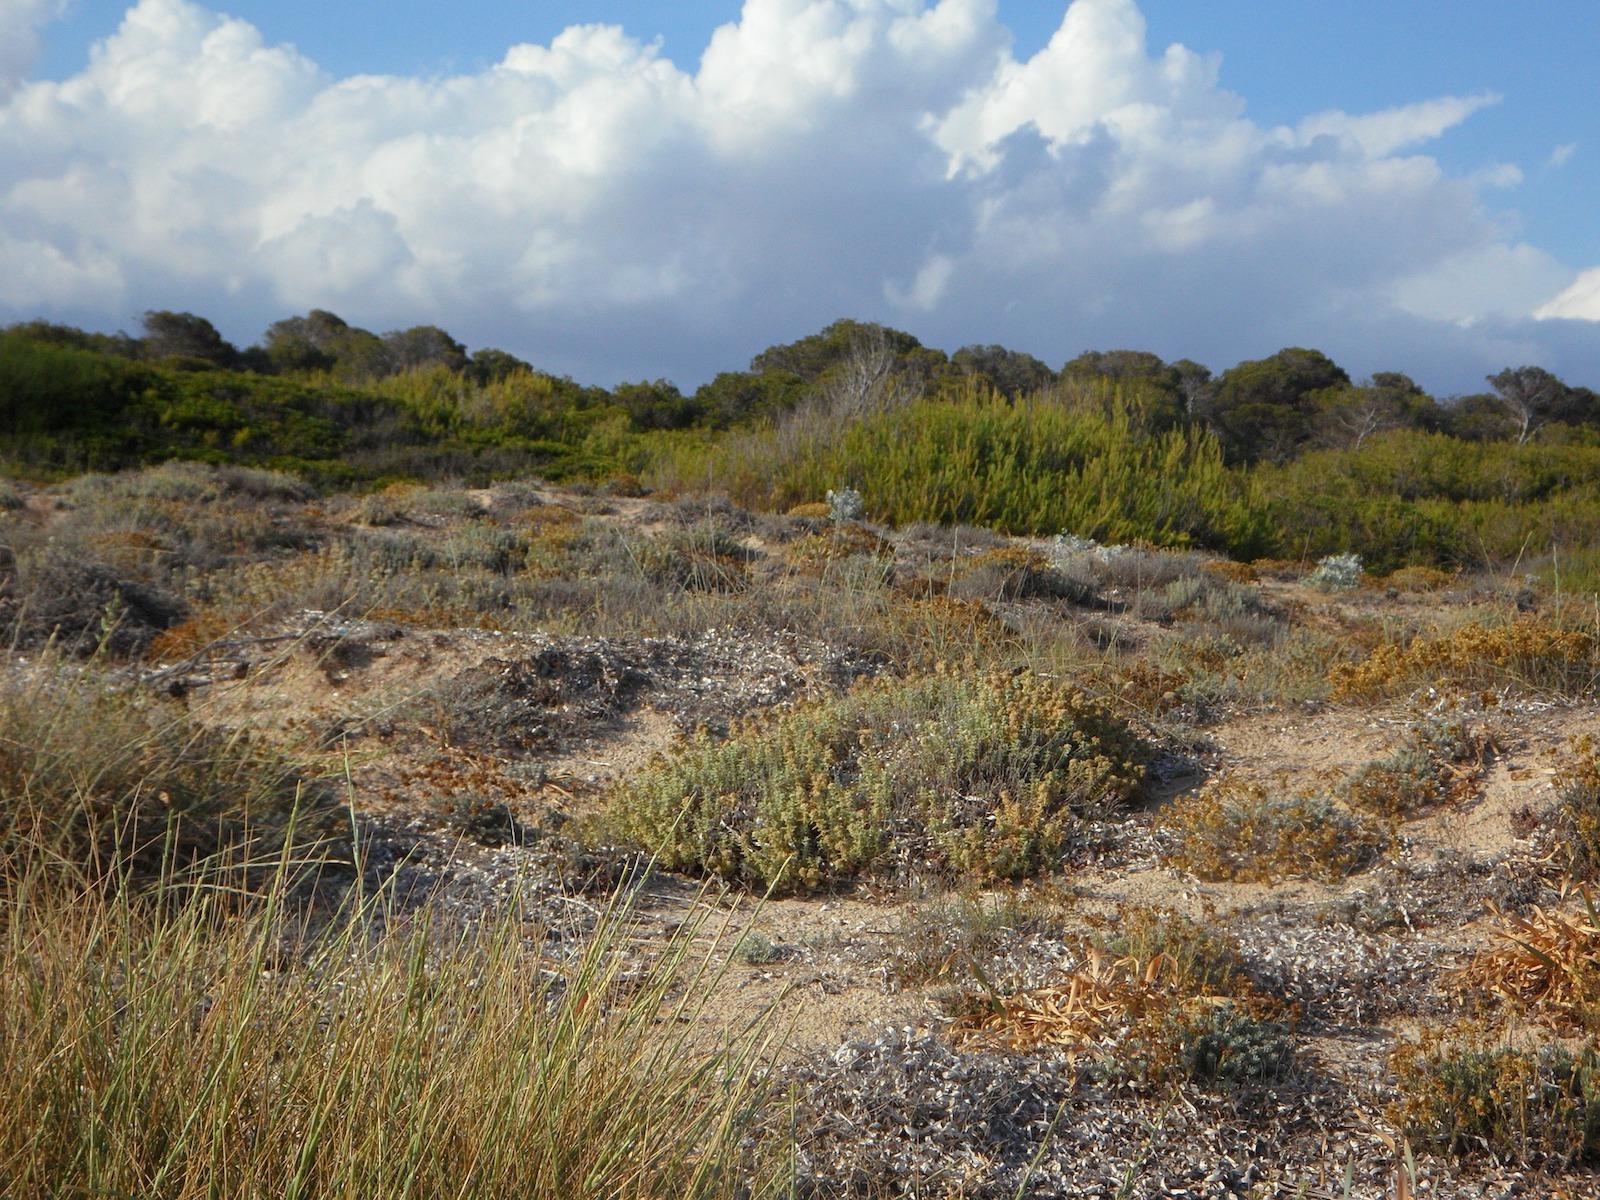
<point>1201,959</point>
<point>1160,997</point>
<point>758,950</point>
<point>845,505</point>
<point>1234,831</point>
<point>50,597</point>
<point>1539,655</point>
<point>1233,572</point>
<point>1015,573</point>
<point>1228,1045</point>
<point>1578,791</point>
<point>983,777</point>
<point>956,937</point>
<point>1418,579</point>
<point>250,1054</point>
<point>1336,573</point>
<point>1466,1091</point>
<point>836,543</point>
<point>104,782</point>
<point>1441,763</point>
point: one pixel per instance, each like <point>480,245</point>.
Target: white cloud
<point>19,37</point>
<point>1562,154</point>
<point>1381,133</point>
<point>1498,175</point>
<point>1580,301</point>
<point>1499,280</point>
<point>592,205</point>
<point>927,289</point>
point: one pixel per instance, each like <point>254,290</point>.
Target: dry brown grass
<point>1545,965</point>
<point>1164,996</point>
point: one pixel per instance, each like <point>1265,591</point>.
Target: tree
<point>324,341</point>
<point>735,396</point>
<point>865,379</point>
<point>1122,365</point>
<point>1010,372</point>
<point>1347,416</point>
<point>184,335</point>
<point>118,344</point>
<point>1533,398</point>
<point>491,366</point>
<point>813,357</point>
<point>307,343</point>
<point>1195,385</point>
<point>423,346</point>
<point>1481,417</point>
<point>1150,387</point>
<point>657,405</point>
<point>1264,408</point>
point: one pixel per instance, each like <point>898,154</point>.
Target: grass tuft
<point>204,1052</point>
<point>108,781</point>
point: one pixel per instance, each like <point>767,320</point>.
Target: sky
<point>622,189</point>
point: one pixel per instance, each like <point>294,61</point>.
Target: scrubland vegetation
<point>420,775</point>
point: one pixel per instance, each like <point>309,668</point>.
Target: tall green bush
<point>1077,457</point>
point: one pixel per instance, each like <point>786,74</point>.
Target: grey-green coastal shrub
<point>1336,573</point>
<point>984,777</point>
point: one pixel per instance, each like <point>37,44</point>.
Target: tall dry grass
<point>180,1017</point>
<point>199,1051</point>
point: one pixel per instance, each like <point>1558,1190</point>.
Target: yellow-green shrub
<point>983,776</point>
<point>1466,1091</point>
<point>1240,832</point>
<point>1527,652</point>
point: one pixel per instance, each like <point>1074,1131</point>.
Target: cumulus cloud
<point>19,37</point>
<point>1581,301</point>
<point>596,207</point>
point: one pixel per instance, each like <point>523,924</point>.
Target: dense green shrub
<point>1075,458</point>
<point>1412,498</point>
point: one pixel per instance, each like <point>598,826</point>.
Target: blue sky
<point>665,219</point>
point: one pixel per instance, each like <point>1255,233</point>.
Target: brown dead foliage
<point>1546,964</point>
